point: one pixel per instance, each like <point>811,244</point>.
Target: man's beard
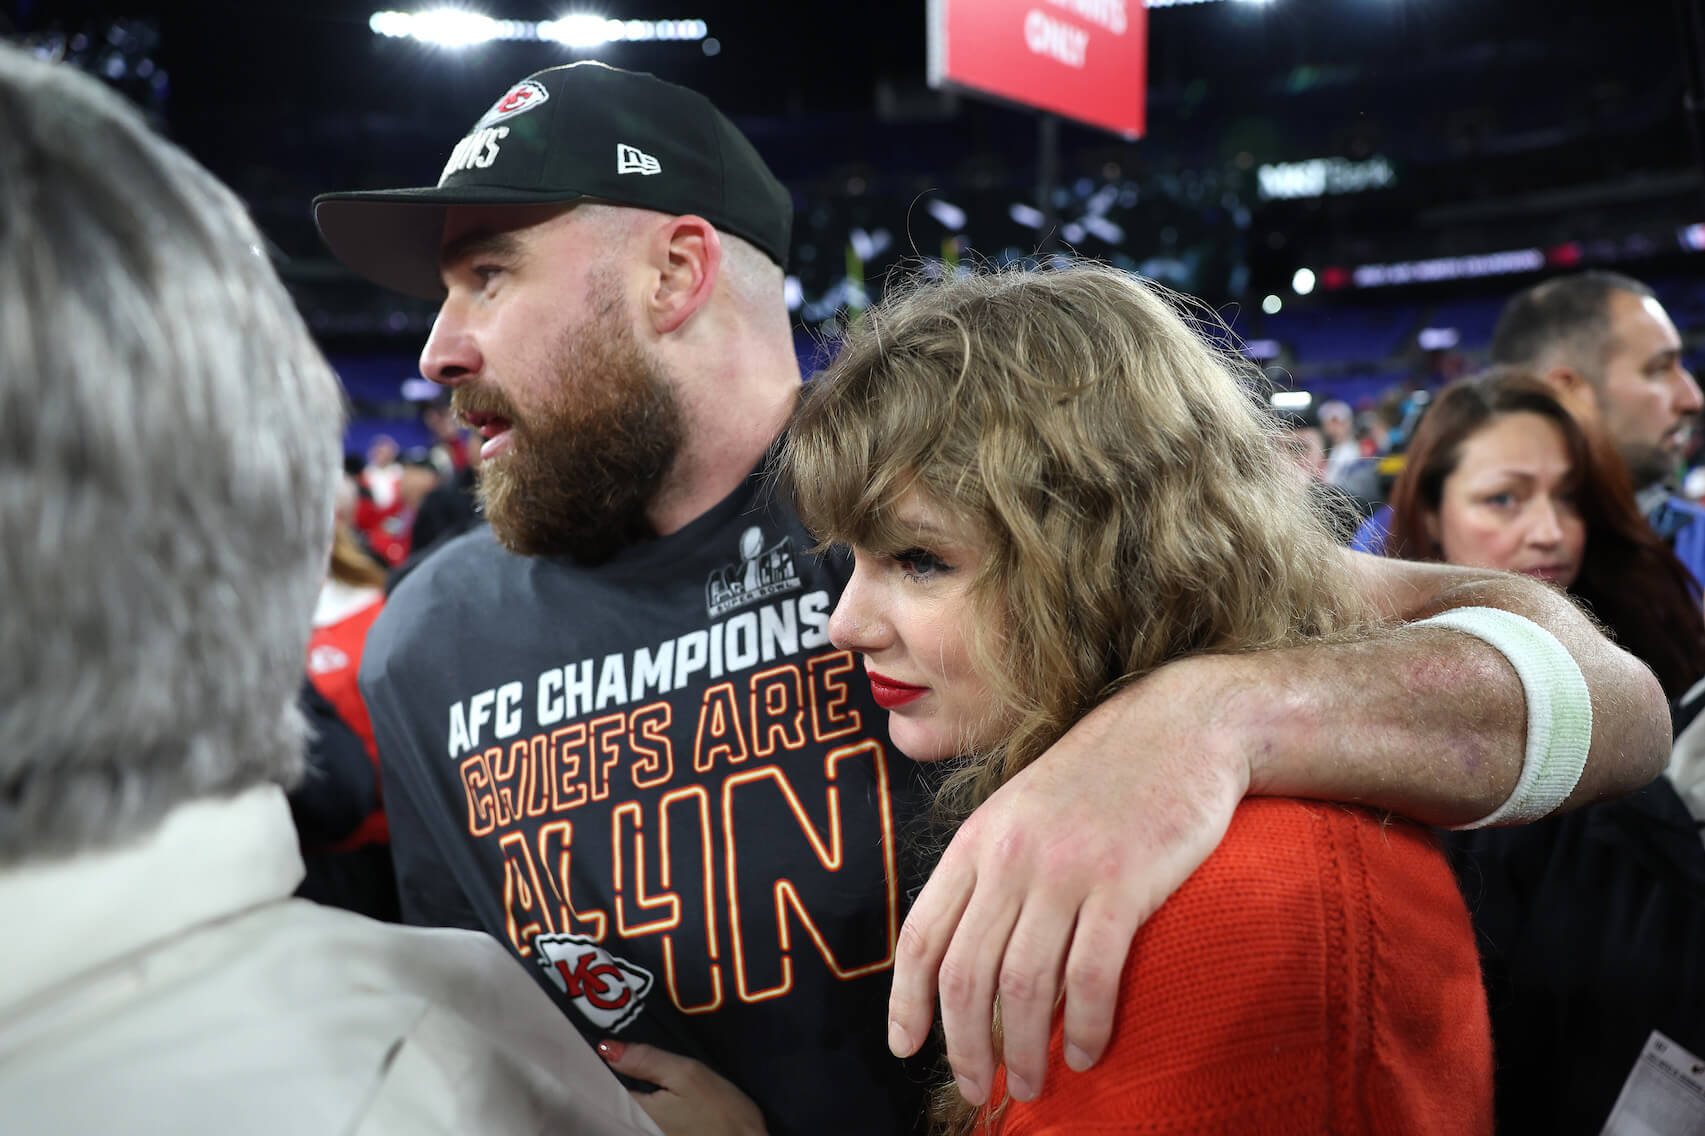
<point>1647,464</point>
<point>582,469</point>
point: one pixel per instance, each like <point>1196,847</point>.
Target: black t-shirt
<point>659,784</point>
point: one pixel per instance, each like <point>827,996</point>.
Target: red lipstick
<point>890,694</point>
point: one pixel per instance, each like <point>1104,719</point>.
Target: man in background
<point>1605,341</point>
<point>1343,453</point>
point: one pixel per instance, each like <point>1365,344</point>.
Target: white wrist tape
<point>1559,709</point>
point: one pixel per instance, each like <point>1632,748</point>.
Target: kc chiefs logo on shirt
<point>610,991</point>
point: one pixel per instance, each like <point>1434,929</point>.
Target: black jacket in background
<point>446,513</point>
<point>1592,932</point>
<point>340,787</point>
<point>338,791</point>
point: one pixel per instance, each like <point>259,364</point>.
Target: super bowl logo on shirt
<point>760,572</point>
<point>609,991</point>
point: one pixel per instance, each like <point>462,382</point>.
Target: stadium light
<point>1303,282</point>
<point>1449,268</point>
<point>1291,400</point>
<point>393,24</point>
<point>457,27</point>
<point>579,29</point>
<point>452,27</point>
<point>946,212</point>
<point>1105,229</point>
<point>1027,215</point>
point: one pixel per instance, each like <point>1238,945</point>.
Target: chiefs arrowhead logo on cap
<point>522,97</point>
<point>610,991</point>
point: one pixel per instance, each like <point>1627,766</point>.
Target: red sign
<point>1082,59</point>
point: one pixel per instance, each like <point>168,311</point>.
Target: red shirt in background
<point>386,530</point>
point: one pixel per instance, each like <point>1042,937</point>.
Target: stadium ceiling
<point>781,56</point>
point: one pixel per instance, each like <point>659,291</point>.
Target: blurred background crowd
<point>1354,186</point>
<point>1354,189</point>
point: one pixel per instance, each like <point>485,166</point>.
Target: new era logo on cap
<point>632,160</point>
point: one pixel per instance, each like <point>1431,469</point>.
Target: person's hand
<point>690,1099</point>
<point>1054,874</point>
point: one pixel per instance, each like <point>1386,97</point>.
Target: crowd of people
<point>992,735</point>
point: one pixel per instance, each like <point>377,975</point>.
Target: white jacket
<point>174,987</point>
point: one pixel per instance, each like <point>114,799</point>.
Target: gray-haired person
<point>168,450</point>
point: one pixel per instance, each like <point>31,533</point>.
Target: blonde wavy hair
<point>1130,490</point>
<point>350,563</point>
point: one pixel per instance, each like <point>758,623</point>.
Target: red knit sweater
<point>1317,975</point>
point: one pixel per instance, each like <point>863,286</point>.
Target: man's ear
<point>1567,380</point>
<point>687,256</point>
<point>1574,390</point>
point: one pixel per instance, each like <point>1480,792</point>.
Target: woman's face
<point>910,615</point>
<point>1510,503</point>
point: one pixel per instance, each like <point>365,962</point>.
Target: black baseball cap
<point>585,130</point>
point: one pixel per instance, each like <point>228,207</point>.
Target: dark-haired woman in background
<point>1502,475</point>
<point>1592,925</point>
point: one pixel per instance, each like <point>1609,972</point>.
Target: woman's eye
<point>1501,500</point>
<point>915,562</point>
